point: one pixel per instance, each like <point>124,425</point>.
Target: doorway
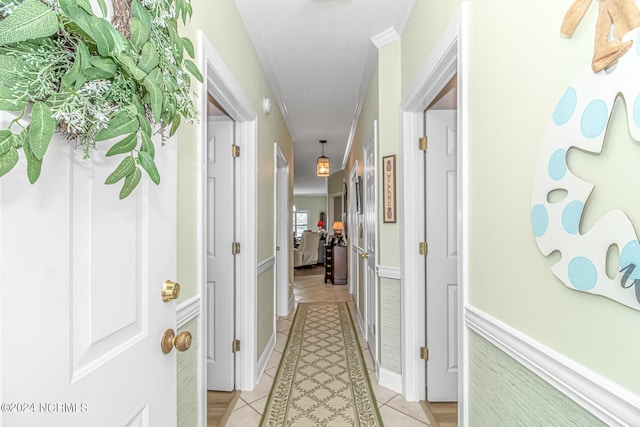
<point>443,64</point>
<point>220,84</point>
<point>284,291</point>
<point>441,228</point>
<point>220,225</point>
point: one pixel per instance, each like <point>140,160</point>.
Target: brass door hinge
<point>235,248</point>
<point>235,346</point>
<point>424,353</point>
<point>423,143</point>
<point>424,248</point>
<point>235,151</point>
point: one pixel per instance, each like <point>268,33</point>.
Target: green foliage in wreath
<point>72,72</point>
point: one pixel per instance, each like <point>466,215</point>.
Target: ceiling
<point>318,56</point>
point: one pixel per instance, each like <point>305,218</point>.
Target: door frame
<point>226,90</point>
<point>447,58</point>
<point>352,233</point>
<point>282,228</point>
<point>371,301</point>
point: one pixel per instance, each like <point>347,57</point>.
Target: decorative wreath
<point>72,72</point>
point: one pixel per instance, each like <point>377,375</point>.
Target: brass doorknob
<point>365,255</point>
<point>182,342</point>
<point>170,290</point>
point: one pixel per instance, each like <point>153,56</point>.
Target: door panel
<point>220,260</point>
<point>81,274</point>
<point>442,261</point>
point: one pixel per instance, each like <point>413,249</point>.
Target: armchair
<point>307,252</point>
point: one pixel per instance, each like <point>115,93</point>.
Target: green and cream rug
<point>322,379</point>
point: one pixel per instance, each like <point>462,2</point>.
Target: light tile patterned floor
<point>395,411</point>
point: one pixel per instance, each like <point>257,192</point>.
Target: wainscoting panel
<point>188,378</point>
<point>504,392</point>
<point>390,325</point>
<point>264,301</point>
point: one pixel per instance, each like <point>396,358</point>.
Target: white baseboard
<point>188,310</point>
<point>388,379</point>
<point>264,358</point>
<point>613,404</point>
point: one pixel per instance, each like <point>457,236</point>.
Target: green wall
<point>428,20</point>
<point>314,205</point>
<point>224,28</point>
<point>389,63</point>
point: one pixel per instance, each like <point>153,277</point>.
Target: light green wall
<point>389,63</point>
<point>265,316</point>
<point>187,378</point>
<point>428,20</point>
<point>505,393</point>
<point>314,205</point>
<point>224,28</point>
<point>511,98</point>
<point>368,114</point>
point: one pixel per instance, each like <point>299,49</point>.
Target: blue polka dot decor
<point>580,120</point>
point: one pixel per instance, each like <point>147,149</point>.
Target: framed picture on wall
<point>389,188</point>
<point>359,195</point>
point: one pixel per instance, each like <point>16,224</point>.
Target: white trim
<point>606,400</point>
<point>281,231</point>
<point>265,265</point>
<point>187,311</point>
<point>264,358</point>
<point>463,199</point>
<point>390,380</point>
<point>246,263</point>
<point>222,85</point>
<point>389,272</point>
<point>385,38</point>
<point>441,65</point>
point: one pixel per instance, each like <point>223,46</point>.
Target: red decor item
<point>320,224</point>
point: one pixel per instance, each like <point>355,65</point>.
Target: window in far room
<point>300,222</point>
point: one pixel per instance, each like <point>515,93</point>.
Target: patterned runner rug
<point>322,379</point>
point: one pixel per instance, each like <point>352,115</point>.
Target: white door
<point>220,260</point>
<point>442,259</point>
<point>370,207</point>
<point>284,293</point>
<point>81,274</point>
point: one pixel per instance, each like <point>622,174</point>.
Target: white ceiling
<point>318,57</point>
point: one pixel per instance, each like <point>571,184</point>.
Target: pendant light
<point>322,165</point>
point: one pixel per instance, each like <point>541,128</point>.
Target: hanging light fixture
<point>322,165</point>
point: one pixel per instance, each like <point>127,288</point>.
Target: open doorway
<point>240,120</point>
<point>440,179</point>
<point>220,222</point>
<point>442,71</point>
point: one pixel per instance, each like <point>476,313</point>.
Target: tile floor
<point>395,411</point>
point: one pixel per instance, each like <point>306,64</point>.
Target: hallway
<point>309,287</point>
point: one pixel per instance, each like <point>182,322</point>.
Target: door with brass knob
<point>365,255</point>
<point>182,342</point>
